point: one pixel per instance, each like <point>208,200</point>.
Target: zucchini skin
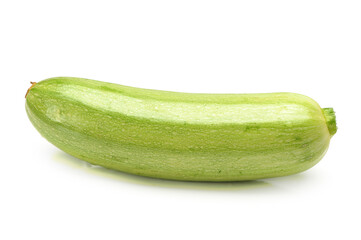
<point>181,136</point>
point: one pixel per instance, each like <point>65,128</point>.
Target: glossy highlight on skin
<point>181,136</point>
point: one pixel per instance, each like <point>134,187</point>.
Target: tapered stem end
<point>330,116</point>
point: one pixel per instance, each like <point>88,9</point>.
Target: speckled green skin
<point>182,136</point>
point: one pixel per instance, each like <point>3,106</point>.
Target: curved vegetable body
<point>182,136</point>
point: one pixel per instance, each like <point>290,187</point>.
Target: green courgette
<point>181,136</point>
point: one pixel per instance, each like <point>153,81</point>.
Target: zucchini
<point>181,136</point>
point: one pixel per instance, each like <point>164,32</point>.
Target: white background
<point>311,47</point>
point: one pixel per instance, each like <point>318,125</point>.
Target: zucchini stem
<point>330,117</point>
<point>32,85</point>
